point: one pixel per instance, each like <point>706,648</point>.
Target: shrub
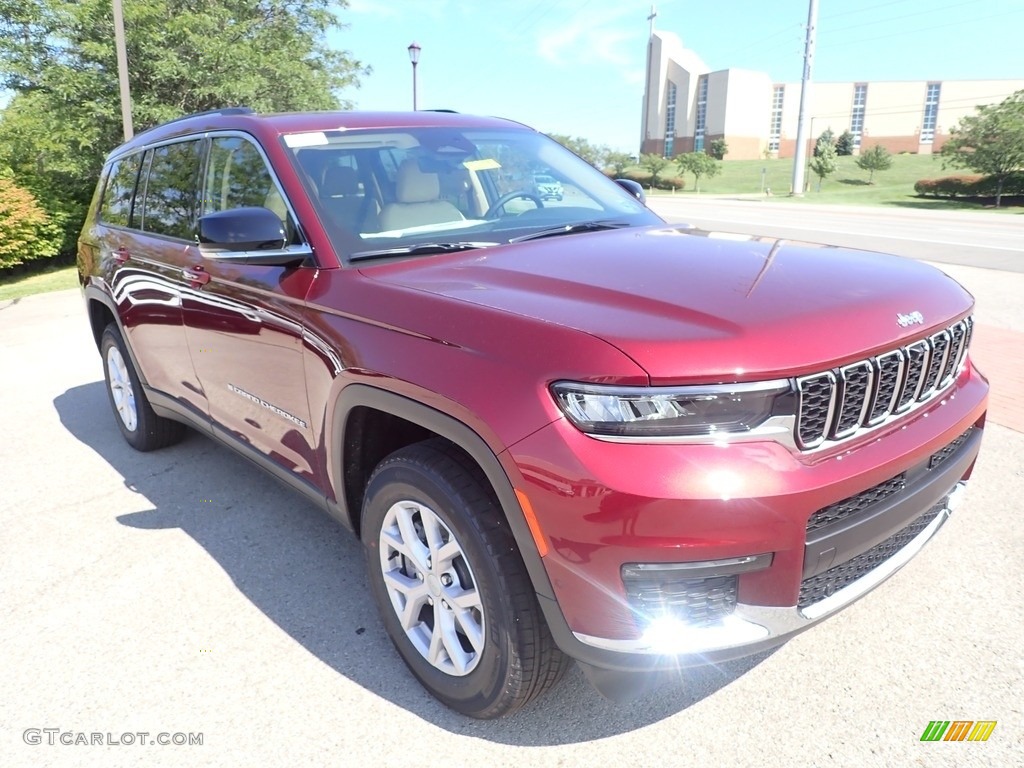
<point>969,185</point>
<point>26,231</point>
<point>644,179</point>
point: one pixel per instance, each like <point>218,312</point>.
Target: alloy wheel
<point>432,588</point>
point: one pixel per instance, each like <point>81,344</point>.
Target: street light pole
<point>414,57</point>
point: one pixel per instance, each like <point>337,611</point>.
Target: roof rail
<point>221,111</point>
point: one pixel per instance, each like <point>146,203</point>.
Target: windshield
<point>429,190</point>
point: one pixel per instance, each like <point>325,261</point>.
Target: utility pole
<point>122,71</point>
<point>645,128</point>
<point>805,101</point>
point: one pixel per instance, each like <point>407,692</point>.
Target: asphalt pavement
<point>185,592</point>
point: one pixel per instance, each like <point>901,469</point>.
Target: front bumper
<point>760,627</point>
<point>696,504</point>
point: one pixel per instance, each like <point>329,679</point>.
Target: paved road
<point>184,591</point>
<point>975,238</point>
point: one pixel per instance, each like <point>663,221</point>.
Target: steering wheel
<point>492,212</point>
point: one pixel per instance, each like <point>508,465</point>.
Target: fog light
<point>668,635</point>
<point>699,594</point>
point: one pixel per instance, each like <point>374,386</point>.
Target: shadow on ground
<point>307,574</point>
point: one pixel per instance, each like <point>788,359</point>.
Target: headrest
<point>339,180</point>
<point>415,186</point>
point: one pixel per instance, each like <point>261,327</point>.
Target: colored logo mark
<point>958,730</point>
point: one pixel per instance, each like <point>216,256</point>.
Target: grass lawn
<point>43,282</point>
<point>847,186</point>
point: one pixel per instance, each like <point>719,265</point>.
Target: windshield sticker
<point>487,164</point>
<point>295,140</point>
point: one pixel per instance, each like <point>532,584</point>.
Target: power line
<point>860,10</point>
<point>873,38</point>
<point>887,19</point>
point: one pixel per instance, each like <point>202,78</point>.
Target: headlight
<point>672,411</point>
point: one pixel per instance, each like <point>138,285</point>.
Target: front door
<point>244,322</point>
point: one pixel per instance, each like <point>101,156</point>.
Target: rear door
<point>147,217</point>
<point>245,322</point>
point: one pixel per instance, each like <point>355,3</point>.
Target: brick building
<point>687,106</point>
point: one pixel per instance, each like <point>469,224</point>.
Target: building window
<point>670,119</point>
<point>775,130</point>
<point>860,99</point>
<point>931,113</point>
<point>702,113</point>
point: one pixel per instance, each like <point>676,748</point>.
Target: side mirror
<point>633,188</point>
<point>242,229</point>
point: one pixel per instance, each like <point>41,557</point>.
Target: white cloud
<point>604,36</point>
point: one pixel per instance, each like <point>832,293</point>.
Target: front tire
<point>140,426</point>
<point>450,585</point>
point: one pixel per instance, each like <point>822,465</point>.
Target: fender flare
<point>93,293</point>
<point>356,395</point>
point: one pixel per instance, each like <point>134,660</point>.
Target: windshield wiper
<point>420,249</point>
<point>572,229</point>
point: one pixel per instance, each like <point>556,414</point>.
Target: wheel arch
<point>101,311</point>
<point>349,471</point>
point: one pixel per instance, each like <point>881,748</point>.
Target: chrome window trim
<point>299,250</point>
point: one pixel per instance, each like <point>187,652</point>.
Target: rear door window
<point>172,197</point>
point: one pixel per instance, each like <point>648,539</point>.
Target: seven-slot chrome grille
<point>834,405</point>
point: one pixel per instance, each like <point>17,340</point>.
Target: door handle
<point>196,275</point>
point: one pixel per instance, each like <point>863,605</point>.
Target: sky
<point>576,67</point>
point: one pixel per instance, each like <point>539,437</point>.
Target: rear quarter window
<point>116,207</point>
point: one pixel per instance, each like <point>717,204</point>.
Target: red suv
<point>563,429</point>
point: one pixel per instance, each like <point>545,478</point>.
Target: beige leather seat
<point>417,200</point>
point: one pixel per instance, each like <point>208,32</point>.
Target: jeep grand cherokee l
<point>561,432</point>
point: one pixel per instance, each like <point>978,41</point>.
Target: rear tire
<point>140,426</point>
<point>450,585</point>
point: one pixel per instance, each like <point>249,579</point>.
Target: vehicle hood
<point>690,305</point>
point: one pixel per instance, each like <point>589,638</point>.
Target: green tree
<point>654,163</point>
<point>990,142</point>
<point>875,159</point>
<point>183,55</point>
<point>826,138</point>
<point>844,144</point>
<point>719,149</point>
<point>823,163</point>
<point>592,153</point>
<point>700,164</point>
<point>618,162</point>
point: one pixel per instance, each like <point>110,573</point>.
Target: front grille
<point>833,513</point>
<point>944,453</point>
<point>815,588</point>
<point>834,405</point>
<point>698,602</point>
